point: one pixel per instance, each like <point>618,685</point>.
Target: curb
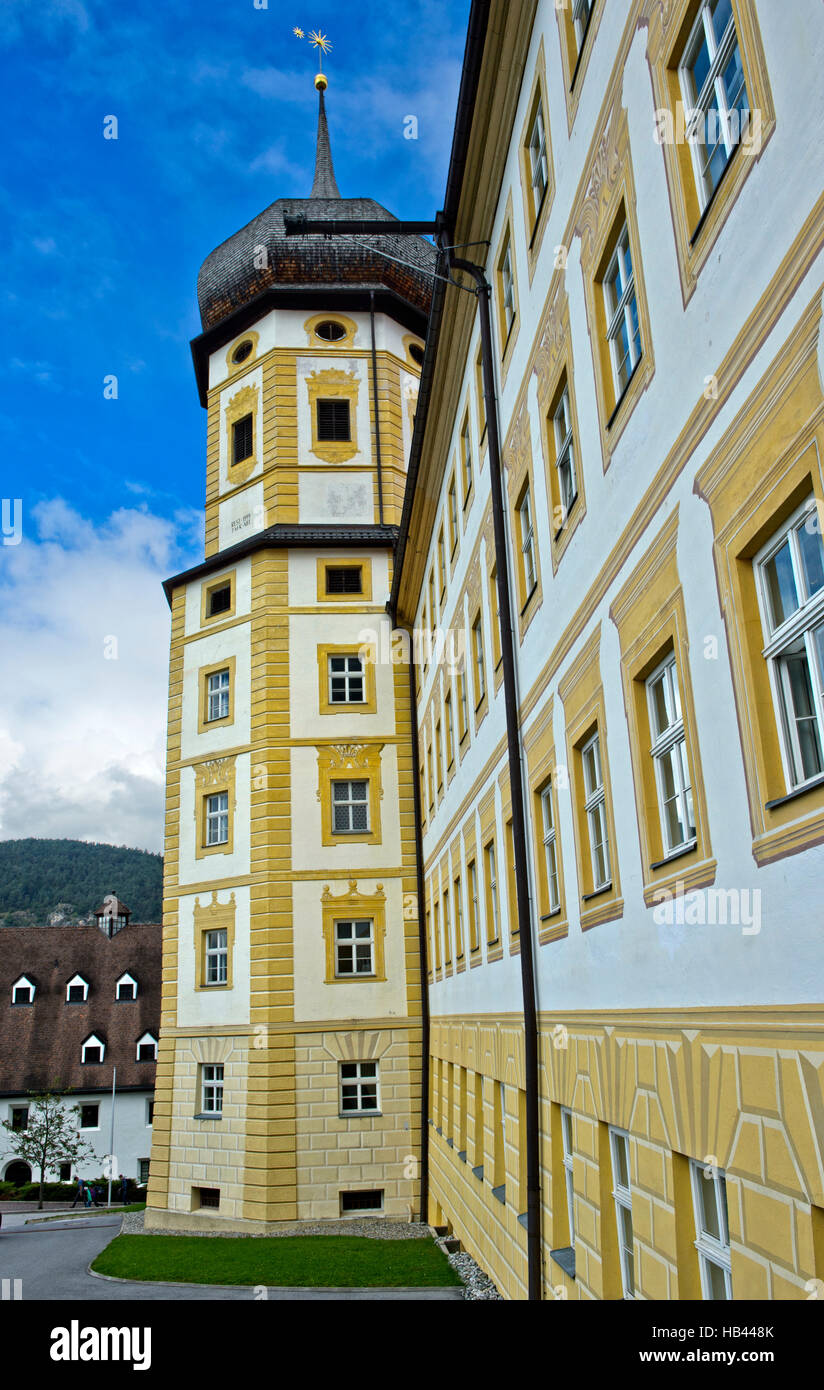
<point>288,1288</point>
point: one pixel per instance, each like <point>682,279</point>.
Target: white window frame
<point>457,886</point>
<point>348,803</point>
<point>353,677</point>
<point>217,818</point>
<point>492,880</point>
<point>452,517</point>
<point>538,160</point>
<point>581,11</point>
<point>23,983</point>
<point>448,944</point>
<point>699,104</point>
<point>527,543</point>
<point>126,979</point>
<point>622,1193</point>
<point>565,453</point>
<point>366,1077</point>
<point>449,730</point>
<point>216,957</point>
<point>217,695</point>
<point>672,739</point>
<point>798,629</point>
<point>147,1040</point>
<point>711,1250</point>
<point>73,983</point>
<point>619,315</point>
<point>567,1156</point>
<point>466,458</point>
<point>550,847</point>
<point>479,660</point>
<point>93,1041</point>
<point>508,288</point>
<point>354,942</point>
<point>472,872</point>
<point>211,1088</point>
<point>595,806</point>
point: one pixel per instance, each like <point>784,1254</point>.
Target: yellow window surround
<point>506,291</point>
<point>334,384</point>
<point>213,776</point>
<point>492,901</point>
<point>519,479</point>
<point>755,478</point>
<point>345,563</point>
<point>208,587</point>
<point>346,762</point>
<point>349,906</point>
<point>608,207</point>
<point>582,695</point>
<point>650,616</point>
<point>350,329</point>
<point>543,772</point>
<point>536,205</point>
<point>367,656</point>
<point>554,374</point>
<point>698,220</point>
<point>204,723</point>
<point>213,916</point>
<point>576,49</point>
<point>252,337</point>
<point>243,402</point>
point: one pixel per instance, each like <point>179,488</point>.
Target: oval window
<point>242,350</point>
<point>416,353</point>
<point>330,331</point>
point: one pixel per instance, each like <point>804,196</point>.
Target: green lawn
<point>297,1261</point>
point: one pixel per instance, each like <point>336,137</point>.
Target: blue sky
<point>216,113</point>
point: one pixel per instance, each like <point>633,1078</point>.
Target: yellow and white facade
<point>669,650</point>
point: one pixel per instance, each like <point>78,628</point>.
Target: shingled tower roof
<point>238,271</point>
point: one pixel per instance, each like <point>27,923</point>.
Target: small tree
<point>50,1137</point>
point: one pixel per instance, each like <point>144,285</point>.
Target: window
<point>566,1141</point>
<point>527,538</point>
<point>361,1201</point>
<point>507,290</point>
<point>459,929</point>
<point>242,351</point>
<point>564,453</point>
<point>242,434</point>
<point>217,695</point>
<point>19,1118</point>
<point>623,326</point>
<point>550,848</point>
<point>149,1112</point>
<point>217,957</point>
<point>430,779</point>
<point>463,711</point>
<point>472,874</point>
<point>595,809</point>
<point>358,1088</point>
<point>416,353</point>
<point>669,754</point>
<point>355,947</point>
<point>466,459</point>
<point>709,1190</point>
<point>93,1051</point>
<point>449,728</point>
<point>441,563</point>
<point>350,807</point>
<point>90,1117</point>
<point>715,93</point>
<point>147,1048</point>
<point>22,991</point>
<point>142,1170</point>
<point>447,930</point>
<point>206,1197</point>
<point>212,1088</point>
<point>344,579</point>
<point>478,655</point>
<point>126,988</point>
<point>621,1191</point>
<point>538,163</point>
<point>220,600</point>
<point>452,514</point>
<point>333,421</point>
<point>77,990</point>
<point>492,924</point>
<point>217,819</point>
<point>65,1172</point>
<point>790,570</point>
<point>439,754</point>
<point>495,610</point>
<point>479,387</point>
<point>433,607</point>
<point>581,14</point>
<point>346,680</point>
<point>330,331</point>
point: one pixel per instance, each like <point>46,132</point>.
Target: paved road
<point>51,1259</point>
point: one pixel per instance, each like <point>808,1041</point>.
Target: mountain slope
<point>41,877</point>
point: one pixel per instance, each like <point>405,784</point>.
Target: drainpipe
<point>513,739</point>
<point>376,406</point>
<point>416,787</point>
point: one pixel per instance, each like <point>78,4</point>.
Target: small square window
<point>346,680</point>
<point>65,1172</point>
<point>358,1088</point>
<point>220,600</point>
<point>344,579</point>
<point>19,1118</point>
<point>206,1197</point>
<point>361,1201</point>
<point>333,421</point>
<point>89,1117</point>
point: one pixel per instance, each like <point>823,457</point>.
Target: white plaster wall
<point>336,496</point>
<point>314,999</point>
<point>355,366</point>
<point>209,649</point>
<point>240,515</point>
<point>215,866</point>
<point>267,327</point>
<point>205,1008</point>
<point>243,594</point>
<point>307,632</point>
<point>307,850</point>
<point>132,1135</point>
<point>303,580</point>
<point>633,962</point>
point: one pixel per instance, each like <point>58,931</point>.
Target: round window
<point>330,331</point>
<point>416,353</point>
<point>242,350</point>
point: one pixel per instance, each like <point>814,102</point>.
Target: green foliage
<point>50,1137</point>
<point>38,876</point>
<point>290,1261</point>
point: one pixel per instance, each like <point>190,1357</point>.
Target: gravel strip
<point>374,1228</point>
<point>477,1285</point>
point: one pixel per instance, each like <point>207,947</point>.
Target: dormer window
<point>93,1051</point>
<point>22,991</point>
<point>147,1048</point>
<point>77,990</point>
<point>126,988</point>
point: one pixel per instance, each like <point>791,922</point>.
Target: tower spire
<point>324,185</point>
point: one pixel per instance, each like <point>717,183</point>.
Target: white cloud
<point>82,737</point>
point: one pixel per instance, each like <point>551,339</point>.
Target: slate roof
<point>40,1044</point>
<point>229,278</point>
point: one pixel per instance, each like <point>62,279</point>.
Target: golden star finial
<point>299,34</point>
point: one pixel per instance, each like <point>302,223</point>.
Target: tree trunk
<point>42,1185</point>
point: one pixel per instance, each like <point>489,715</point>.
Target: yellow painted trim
<point>213,776</point>
<point>337,384</point>
<point>347,762</point>
<point>213,916</point>
<point>207,588</point>
<point>243,402</point>
<point>349,325</point>
<point>345,562</point>
<point>354,904</point>
<point>204,725</point>
<point>536,219</point>
<point>368,657</point>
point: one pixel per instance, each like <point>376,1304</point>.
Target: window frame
<point>23,983</point>
<point>77,981</point>
<point>720,54</point>
<point>711,1250</point>
<point>355,943</point>
<point>338,802</point>
<point>663,744</point>
<point>568,1161</point>
<point>620,313</point>
<point>97,1045</point>
<point>215,954</point>
<point>549,837</point>
<point>358,1081</point>
<point>212,1085</point>
<point>622,1196</point>
<point>595,805</point>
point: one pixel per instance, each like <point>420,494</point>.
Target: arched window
<point>22,991</point>
<point>77,990</point>
<point>147,1048</point>
<point>126,987</point>
<point>93,1050</point>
